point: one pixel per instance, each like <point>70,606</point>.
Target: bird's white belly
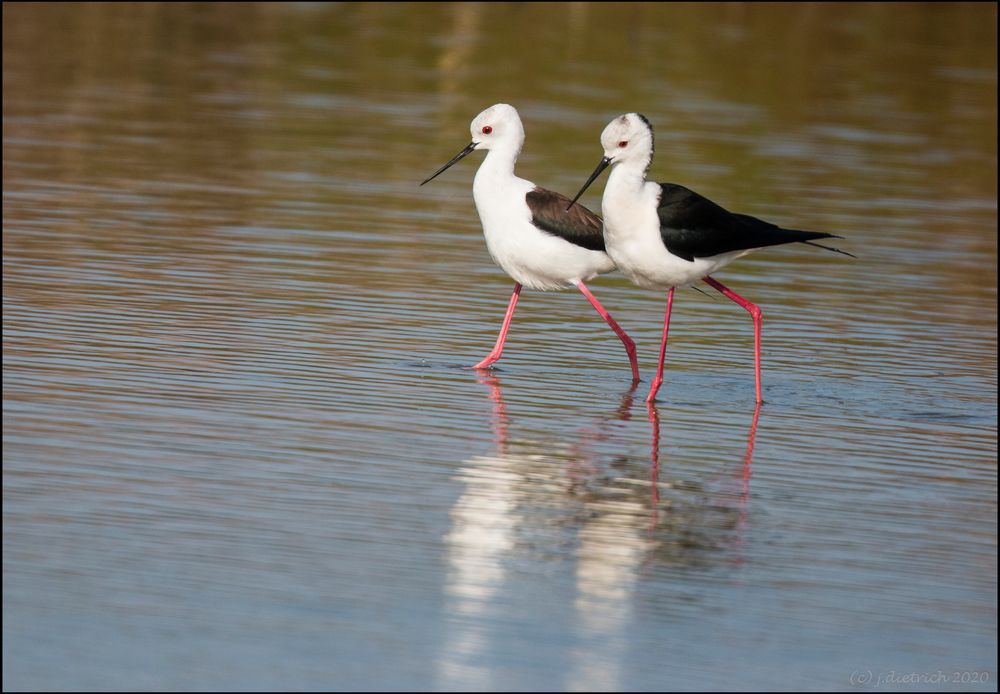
<point>645,260</point>
<point>542,261</point>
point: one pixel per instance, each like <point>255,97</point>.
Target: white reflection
<point>485,520</point>
<point>612,548</point>
<point>482,524</point>
<point>614,535</point>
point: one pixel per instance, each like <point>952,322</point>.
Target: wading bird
<point>531,232</point>
<point>662,235</point>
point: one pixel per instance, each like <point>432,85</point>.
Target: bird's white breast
<point>632,237</point>
<point>529,255</point>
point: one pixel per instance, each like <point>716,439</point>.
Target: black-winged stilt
<point>530,232</point>
<point>664,235</point>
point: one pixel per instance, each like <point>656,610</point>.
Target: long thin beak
<point>605,162</point>
<point>468,150</point>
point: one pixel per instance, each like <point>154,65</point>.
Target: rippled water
<point>242,449</point>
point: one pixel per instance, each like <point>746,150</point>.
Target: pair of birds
<point>660,235</point>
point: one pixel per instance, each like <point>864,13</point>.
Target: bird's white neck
<point>496,190</point>
<point>498,164</point>
<point>628,177</point>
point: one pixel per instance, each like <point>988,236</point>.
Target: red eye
<point>623,143</point>
<point>487,129</point>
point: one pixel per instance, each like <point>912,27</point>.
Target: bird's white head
<point>496,127</point>
<point>628,138</point>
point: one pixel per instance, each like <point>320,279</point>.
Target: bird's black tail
<point>809,238</point>
<point>828,248</point>
<point>761,234</point>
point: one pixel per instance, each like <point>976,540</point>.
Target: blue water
<point>243,450</point>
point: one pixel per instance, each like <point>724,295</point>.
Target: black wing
<point>692,226</point>
<point>578,225</point>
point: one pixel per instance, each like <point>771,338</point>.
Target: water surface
<point>243,449</point>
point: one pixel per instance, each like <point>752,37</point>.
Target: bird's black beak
<point>605,162</point>
<point>468,150</point>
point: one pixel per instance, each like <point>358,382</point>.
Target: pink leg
<point>494,355</point>
<point>663,349</point>
<point>757,315</point>
<point>626,340</point>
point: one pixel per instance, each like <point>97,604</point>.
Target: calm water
<point>241,446</point>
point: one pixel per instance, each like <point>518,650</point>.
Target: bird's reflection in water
<point>721,505</point>
<point>583,499</point>
<point>744,497</point>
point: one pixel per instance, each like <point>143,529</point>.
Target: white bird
<point>664,235</point>
<point>530,232</point>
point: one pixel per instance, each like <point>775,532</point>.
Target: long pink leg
<point>663,349</point>
<point>497,350</point>
<point>626,340</point>
<point>757,315</point>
